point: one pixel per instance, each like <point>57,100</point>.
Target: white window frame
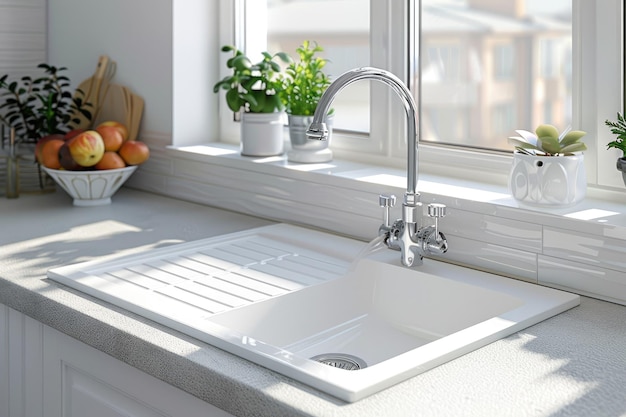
<point>597,40</point>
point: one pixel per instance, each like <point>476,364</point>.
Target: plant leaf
<point>519,142</point>
<point>549,144</point>
<point>546,130</point>
<point>574,147</point>
<point>571,137</point>
<point>530,137</point>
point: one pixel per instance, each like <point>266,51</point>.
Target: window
<point>346,44</point>
<point>479,69</point>
<point>504,62</point>
<point>495,75</point>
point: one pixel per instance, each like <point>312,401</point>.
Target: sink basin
<point>349,330</point>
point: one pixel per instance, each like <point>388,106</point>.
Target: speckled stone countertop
<point>571,365</point>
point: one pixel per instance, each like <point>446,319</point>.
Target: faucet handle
<point>437,210</point>
<point>386,202</point>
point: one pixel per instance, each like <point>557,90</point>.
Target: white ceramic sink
<point>392,321</point>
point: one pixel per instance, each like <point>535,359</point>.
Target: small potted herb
<point>548,167</point>
<point>618,128</point>
<point>304,83</point>
<point>253,89</point>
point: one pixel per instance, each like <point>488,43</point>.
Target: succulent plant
<point>546,141</point>
<point>618,128</point>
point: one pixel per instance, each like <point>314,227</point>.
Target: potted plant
<point>304,82</point>
<point>618,128</point>
<point>548,167</point>
<point>42,106</point>
<point>254,90</point>
<point>34,108</point>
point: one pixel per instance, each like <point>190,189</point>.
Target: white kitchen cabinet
<point>21,366</point>
<point>45,373</point>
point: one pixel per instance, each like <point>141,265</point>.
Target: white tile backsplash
<point>592,250</point>
<point>593,281</point>
<point>551,247</point>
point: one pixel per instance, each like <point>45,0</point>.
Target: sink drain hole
<point>341,361</point>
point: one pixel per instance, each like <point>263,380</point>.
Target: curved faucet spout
<point>319,131</point>
<point>404,234</point>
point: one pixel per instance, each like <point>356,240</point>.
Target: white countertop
<point>572,364</point>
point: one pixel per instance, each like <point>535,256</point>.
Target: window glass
<point>489,67</point>
<point>346,43</point>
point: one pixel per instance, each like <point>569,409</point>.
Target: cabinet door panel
<point>21,362</point>
<point>82,381</point>
<point>84,395</point>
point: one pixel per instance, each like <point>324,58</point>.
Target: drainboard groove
<point>226,287</point>
<point>263,246</point>
<point>233,258</point>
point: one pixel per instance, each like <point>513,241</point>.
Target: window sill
<point>602,207</point>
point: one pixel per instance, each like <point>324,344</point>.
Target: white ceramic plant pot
<point>555,181</point>
<point>303,149</point>
<point>262,134</point>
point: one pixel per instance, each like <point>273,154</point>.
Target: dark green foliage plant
<point>618,128</point>
<point>36,107</point>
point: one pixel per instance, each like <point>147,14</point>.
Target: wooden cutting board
<point>90,93</point>
<point>114,105</point>
<point>137,105</point>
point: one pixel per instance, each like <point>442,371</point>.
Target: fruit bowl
<point>91,188</point>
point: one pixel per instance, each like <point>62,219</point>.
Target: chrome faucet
<point>403,234</point>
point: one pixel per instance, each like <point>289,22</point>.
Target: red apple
<point>66,160</point>
<point>110,160</point>
<point>134,152</point>
<point>112,137</point>
<point>73,132</point>
<point>41,142</point>
<point>119,126</point>
<point>87,148</point>
<point>50,153</point>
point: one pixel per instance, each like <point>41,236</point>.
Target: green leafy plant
<point>546,141</point>
<point>36,107</point>
<point>618,128</point>
<point>252,87</point>
<point>304,81</point>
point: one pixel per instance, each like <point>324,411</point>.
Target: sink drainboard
<point>191,281</point>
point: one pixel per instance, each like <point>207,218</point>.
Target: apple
<point>41,142</point>
<point>50,153</point>
<point>110,160</point>
<point>134,152</point>
<point>72,133</point>
<point>66,160</point>
<point>112,137</point>
<point>87,148</point>
<point>119,126</point>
